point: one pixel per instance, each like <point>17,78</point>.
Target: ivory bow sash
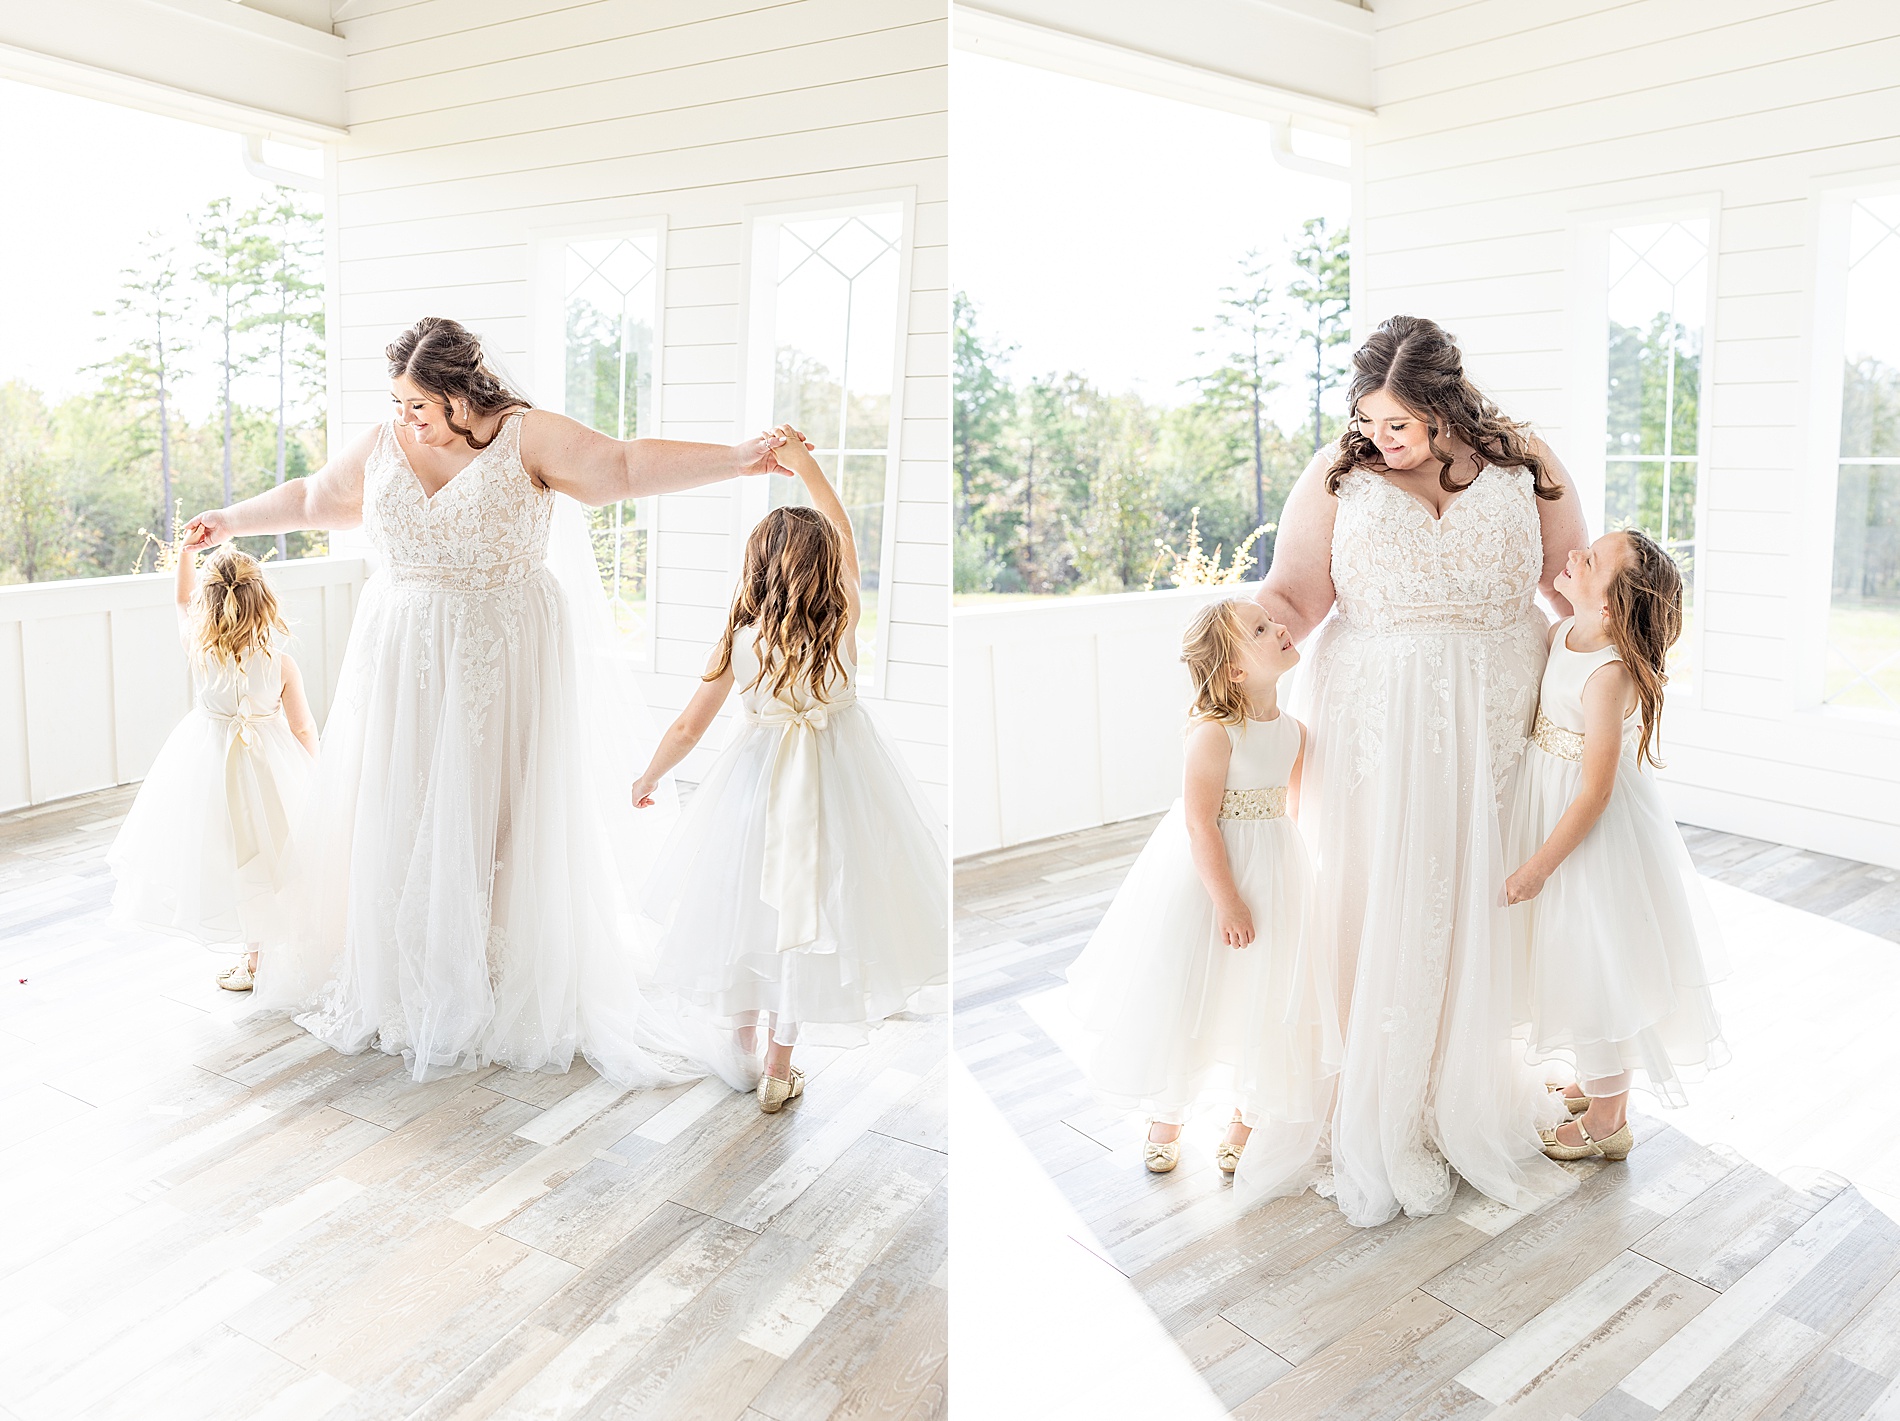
<point>794,817</point>
<point>245,788</point>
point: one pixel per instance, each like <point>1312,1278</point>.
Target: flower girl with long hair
<point>806,884</point>
<point>205,851</point>
<point>1615,932</point>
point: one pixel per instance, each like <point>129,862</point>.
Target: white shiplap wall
<point>1502,132</point>
<point>473,125</point>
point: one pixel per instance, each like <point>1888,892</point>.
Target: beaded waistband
<point>1436,618</point>
<point>1553,739</point>
<point>464,577</point>
<point>1269,803</point>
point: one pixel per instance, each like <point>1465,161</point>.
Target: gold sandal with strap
<point>1614,1148</point>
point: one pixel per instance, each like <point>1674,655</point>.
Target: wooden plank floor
<point>1685,1283</point>
<point>211,1215</point>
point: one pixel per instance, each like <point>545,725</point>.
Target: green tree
<point>231,271</point>
<point>289,309</point>
<point>984,405</point>
<point>145,372</point>
<point>1323,293</point>
<point>36,519</point>
<point>1250,317</point>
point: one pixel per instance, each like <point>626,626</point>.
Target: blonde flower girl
<point>205,850</point>
<point>1614,931</point>
<point>806,884</point>
<point>1196,987</point>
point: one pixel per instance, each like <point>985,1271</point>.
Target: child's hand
<point>795,453</point>
<point>644,789</point>
<point>1236,925</point>
<point>1525,884</point>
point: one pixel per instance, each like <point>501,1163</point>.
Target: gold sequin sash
<point>1553,739</point>
<point>1269,803</point>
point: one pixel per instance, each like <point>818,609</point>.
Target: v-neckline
<point>1456,499</point>
<point>428,499</point>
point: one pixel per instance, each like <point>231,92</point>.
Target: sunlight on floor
<point>1029,1287</point>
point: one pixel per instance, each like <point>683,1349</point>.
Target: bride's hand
<point>644,789</point>
<point>1236,926</point>
<point>1524,885</point>
<point>209,529</point>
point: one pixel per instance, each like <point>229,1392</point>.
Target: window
<point>1863,625</point>
<point>609,311</point>
<point>835,312</point>
<point>1657,293</point>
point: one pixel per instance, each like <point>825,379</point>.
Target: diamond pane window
<point>1863,625</point>
<point>612,295</point>
<point>1658,288</point>
<point>834,351</point>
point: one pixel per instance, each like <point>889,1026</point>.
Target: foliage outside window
<point>1657,289</point>
<point>612,303</point>
<point>88,482</point>
<point>1863,627</point>
<point>834,344</point>
<point>1064,487</point>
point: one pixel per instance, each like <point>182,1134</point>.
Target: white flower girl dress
<point>1180,1019</point>
<point>205,852</point>
<point>1614,955</point>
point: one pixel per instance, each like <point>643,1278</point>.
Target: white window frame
<point>1833,204</point>
<point>1589,308</point>
<point>548,344</point>
<point>758,374</point>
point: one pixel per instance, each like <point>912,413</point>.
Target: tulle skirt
<point>883,905</point>
<point>1177,1019</point>
<point>1410,738</point>
<point>205,851</point>
<point>1616,954</point>
<point>463,905</point>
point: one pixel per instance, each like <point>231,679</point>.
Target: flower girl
<point>1614,926</point>
<point>1196,984</point>
<point>805,885</point>
<point>204,851</point>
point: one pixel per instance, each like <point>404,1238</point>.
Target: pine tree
<point>231,271</point>
<point>149,367</point>
<point>1250,314</point>
<point>1323,291</point>
<point>289,304</point>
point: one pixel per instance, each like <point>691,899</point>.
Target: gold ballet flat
<point>1616,1147</point>
<point>1160,1156</point>
<point>238,979</point>
<point>773,1092</point>
<point>1227,1156</point>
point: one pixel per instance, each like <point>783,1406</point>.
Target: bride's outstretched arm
<point>330,498</point>
<point>596,469</point>
<point>1298,590</point>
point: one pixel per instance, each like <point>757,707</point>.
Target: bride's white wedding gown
<point>462,901</point>
<point>1418,694</point>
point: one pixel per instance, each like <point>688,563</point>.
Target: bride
<point>1427,533</point>
<point>463,901</point>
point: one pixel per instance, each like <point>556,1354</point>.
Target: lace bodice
<point>1475,569</point>
<point>485,528</point>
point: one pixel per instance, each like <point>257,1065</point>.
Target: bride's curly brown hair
<point>1415,362</point>
<point>444,358</point>
<point>792,590</point>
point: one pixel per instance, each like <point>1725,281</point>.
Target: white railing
<point>1067,713</point>
<point>93,678</point>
